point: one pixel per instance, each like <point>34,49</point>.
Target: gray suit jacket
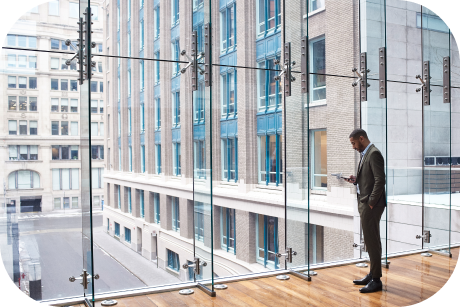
<point>371,178</point>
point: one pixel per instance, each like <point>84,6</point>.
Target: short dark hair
<point>357,133</point>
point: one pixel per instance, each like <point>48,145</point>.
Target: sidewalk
<point>142,268</point>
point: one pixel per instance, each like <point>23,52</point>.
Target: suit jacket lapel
<point>364,159</point>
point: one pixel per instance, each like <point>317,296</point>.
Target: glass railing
<point>246,175</point>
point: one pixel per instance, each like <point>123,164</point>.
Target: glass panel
<point>437,137</point>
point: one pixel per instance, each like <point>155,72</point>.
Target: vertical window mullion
<point>228,160</point>
<point>267,159</point>
<point>277,139</point>
<point>265,241</point>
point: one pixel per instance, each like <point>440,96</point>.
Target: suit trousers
<point>370,223</point>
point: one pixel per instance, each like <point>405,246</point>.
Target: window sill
<point>229,183</point>
<point>270,187</point>
<point>318,103</point>
<point>66,161</point>
<point>314,12</point>
<point>318,191</point>
<point>174,272</point>
<point>12,161</point>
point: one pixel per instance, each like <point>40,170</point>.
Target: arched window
<point>23,180</point>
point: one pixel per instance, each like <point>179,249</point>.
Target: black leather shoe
<point>364,281</point>
<point>372,286</point>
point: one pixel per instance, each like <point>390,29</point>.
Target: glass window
<point>316,5</point>
<point>318,67</point>
<point>55,128</point>
<point>141,34</point>
<point>54,63</point>
<point>64,105</point>
<point>319,159</point>
<point>22,82</point>
<point>141,75</point>
<point>228,28</point>
<point>94,86</point>
<point>65,152</point>
<point>175,49</point>
<point>73,85</point>
<point>268,15</point>
<point>11,60</point>
<point>22,61</point>
<point>32,83</point>
<point>270,159</point>
<point>176,159</point>
<point>229,159</point>
<point>74,9</point>
<point>199,154</point>
<point>33,152</point>
<point>99,66</point>
<point>73,105</point>
<point>11,40</point>
<point>95,12</point>
<point>157,22</point>
<point>12,103</point>
<point>74,202</point>
<point>22,103</point>
<point>94,128</point>
<point>13,150</point>
<point>11,82</point>
<point>174,12</point>
<point>64,85</point>
<point>157,67</point>
<point>142,118</point>
<point>199,221</point>
<point>32,42</point>
<point>74,152</point>
<point>66,202</point>
<point>23,152</point>
<point>117,229</point>
<point>55,152</point>
<point>54,44</point>
<point>141,202</point>
<point>267,240</point>
<point>228,94</point>
<point>227,222</point>
<point>55,84</point>
<point>12,127</point>
<point>93,106</point>
<point>157,114</point>
<point>158,158</point>
<point>57,203</point>
<point>22,41</point>
<point>175,214</point>
<point>173,260</point>
<point>23,127</point>
<point>32,62</point>
<point>33,127</point>
<point>101,129</point>
<point>54,104</point>
<point>96,202</point>
<point>32,103</point>
<point>128,235</point>
<point>176,109</point>
<point>129,121</point>
<point>101,87</point>
<point>269,92</point>
<point>142,159</point>
<point>156,201</point>
<point>64,128</point>
<point>53,8</point>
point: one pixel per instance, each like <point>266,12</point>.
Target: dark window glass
<point>101,87</point>
<point>73,85</point>
<point>64,85</point>
<point>101,152</point>
<point>65,128</point>
<point>94,151</point>
<point>55,152</point>
<point>74,152</point>
<point>33,127</point>
<point>55,84</point>
<point>32,83</point>
<point>54,128</point>
<point>64,46</point>
<point>55,44</point>
<point>32,103</point>
<point>12,105</point>
<point>94,86</point>
<point>23,127</point>
<point>22,103</point>
<point>22,82</point>
<point>65,152</point>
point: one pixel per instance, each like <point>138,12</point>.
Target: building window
<point>21,41</point>
<point>141,202</point>
<point>119,196</point>
<point>94,86</point>
<point>64,128</point>
<point>97,177</point>
<point>269,93</point>
<point>22,127</point>
<point>199,210</point>
<point>22,82</point>
<point>74,128</point>
<point>157,114</point>
<point>23,152</point>
<point>11,82</point>
<point>95,12</point>
<point>270,148</point>
<point>65,179</point>
<point>129,122</point>
<point>158,159</point>
<point>53,8</point>
<point>267,240</point>
<point>54,84</point>
<point>142,158</point>
<point>74,202</point>
<point>315,5</point>
<point>230,159</point>
<point>127,235</point>
<point>319,159</point>
<point>33,126</point>
<point>228,27</point>
<point>318,69</point>
<point>228,93</point>
<point>176,159</point>
<point>54,63</point>
<point>23,101</point>
<point>73,105</point>
<point>268,16</point>
<point>198,105</point>
<point>97,152</point>
<point>175,49</point>
<point>64,152</point>
<point>12,127</point>
<point>142,118</point>
<point>64,85</point>
<point>129,83</point>
<point>57,203</point>
<point>141,34</point>
<point>141,75</point>
<point>175,213</point>
<point>157,67</point>
<point>130,208</point>
<point>130,158</point>
<point>117,229</point>
<point>176,109</point>
<point>23,180</point>
<point>432,23</point>
<point>174,12</point>
<point>200,159</point>
<point>227,231</point>
<point>119,159</point>
<point>173,260</point>
<point>156,201</point>
<point>73,10</point>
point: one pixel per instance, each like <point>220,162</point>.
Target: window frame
<point>313,168</point>
<point>228,221</point>
<point>224,29</point>
<point>175,213</point>
<point>278,157</point>
<point>313,74</point>
<point>264,261</point>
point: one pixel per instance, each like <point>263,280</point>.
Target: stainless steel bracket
<point>446,89</point>
<point>286,71</point>
<point>382,72</point>
<point>362,246</point>
<point>196,265</point>
<point>208,55</point>
<point>425,236</point>
<point>193,59</point>
<point>425,83</point>
<point>304,65</point>
<point>288,254</point>
<point>85,278</point>
<point>362,76</point>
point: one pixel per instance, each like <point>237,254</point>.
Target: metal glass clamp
<point>193,61</point>
<point>288,254</point>
<point>426,236</point>
<point>362,246</point>
<point>382,73</point>
<point>195,265</point>
<point>286,71</point>
<point>208,55</point>
<point>446,90</point>
<point>85,278</point>
<point>304,65</point>
<point>362,76</point>
<point>425,83</point>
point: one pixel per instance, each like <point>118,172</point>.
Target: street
<point>55,241</point>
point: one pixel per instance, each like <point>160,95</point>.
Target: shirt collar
<point>365,150</point>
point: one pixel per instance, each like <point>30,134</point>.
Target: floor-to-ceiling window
<point>267,240</point>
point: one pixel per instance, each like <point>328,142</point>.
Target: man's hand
<point>372,207</point>
<point>352,179</point>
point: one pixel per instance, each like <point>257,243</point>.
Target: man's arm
<point>378,171</point>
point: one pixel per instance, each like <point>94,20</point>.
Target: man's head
<point>359,140</point>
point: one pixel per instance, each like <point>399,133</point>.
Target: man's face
<point>357,144</point>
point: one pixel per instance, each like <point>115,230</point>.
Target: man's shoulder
<point>374,151</point>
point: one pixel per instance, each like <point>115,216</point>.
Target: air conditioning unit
<point>430,160</point>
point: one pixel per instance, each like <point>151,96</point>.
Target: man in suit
<point>370,186</point>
